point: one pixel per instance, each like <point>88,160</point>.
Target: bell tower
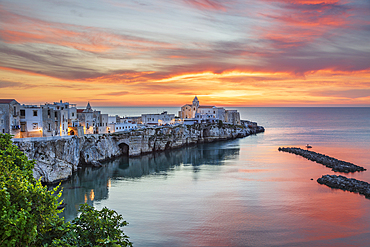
<point>196,102</point>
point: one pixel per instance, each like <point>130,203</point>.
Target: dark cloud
<point>12,84</point>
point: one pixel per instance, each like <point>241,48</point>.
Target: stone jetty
<point>333,163</point>
<point>56,159</point>
<point>344,183</point>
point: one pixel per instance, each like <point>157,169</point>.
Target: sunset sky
<point>163,52</point>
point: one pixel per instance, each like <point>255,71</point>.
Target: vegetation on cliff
<point>29,214</point>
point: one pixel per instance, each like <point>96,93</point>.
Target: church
<point>205,113</point>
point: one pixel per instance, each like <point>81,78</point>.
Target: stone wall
<point>57,159</point>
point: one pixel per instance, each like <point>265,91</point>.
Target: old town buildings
<point>62,119</point>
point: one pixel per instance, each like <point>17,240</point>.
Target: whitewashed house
<point>114,126</point>
<point>158,119</point>
<point>9,117</point>
<point>103,124</point>
<point>31,121</point>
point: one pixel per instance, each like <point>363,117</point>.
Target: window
<point>35,113</point>
<point>73,114</point>
<point>48,113</point>
<point>23,127</point>
<point>3,131</point>
<point>55,114</point>
<point>2,121</point>
<point>35,126</point>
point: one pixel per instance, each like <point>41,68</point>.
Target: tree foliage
<point>94,228</point>
<point>29,214</point>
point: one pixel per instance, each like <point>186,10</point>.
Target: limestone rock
<point>55,160</point>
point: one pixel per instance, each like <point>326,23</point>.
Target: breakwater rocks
<point>333,163</point>
<point>56,158</point>
<point>343,183</point>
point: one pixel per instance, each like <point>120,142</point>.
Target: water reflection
<point>92,184</point>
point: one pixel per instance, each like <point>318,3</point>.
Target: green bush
<point>29,214</point>
<point>94,228</point>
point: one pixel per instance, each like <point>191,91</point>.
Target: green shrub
<point>29,214</point>
<point>94,228</point>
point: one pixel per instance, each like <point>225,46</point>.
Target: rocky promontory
<point>56,159</point>
<point>333,163</point>
<point>344,183</point>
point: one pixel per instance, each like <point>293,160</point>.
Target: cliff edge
<point>56,159</point>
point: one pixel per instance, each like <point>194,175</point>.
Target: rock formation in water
<point>335,164</point>
<point>55,160</point>
<point>349,184</point>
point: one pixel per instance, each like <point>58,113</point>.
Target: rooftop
<point>6,101</point>
<point>206,106</point>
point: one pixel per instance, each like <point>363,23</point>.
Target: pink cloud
<point>18,29</point>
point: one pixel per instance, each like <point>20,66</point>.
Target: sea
<point>242,192</point>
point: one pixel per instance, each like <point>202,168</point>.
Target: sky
<point>164,52</point>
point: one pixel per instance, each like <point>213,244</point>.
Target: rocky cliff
<point>57,159</point>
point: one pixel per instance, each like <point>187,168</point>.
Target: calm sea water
<point>242,192</point>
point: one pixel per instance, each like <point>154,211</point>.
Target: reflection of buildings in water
<point>92,184</point>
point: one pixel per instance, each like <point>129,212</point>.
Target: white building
<point>31,121</point>
<point>9,117</point>
<point>103,124</point>
<point>87,119</point>
<point>125,125</point>
<point>205,118</point>
<point>158,119</point>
